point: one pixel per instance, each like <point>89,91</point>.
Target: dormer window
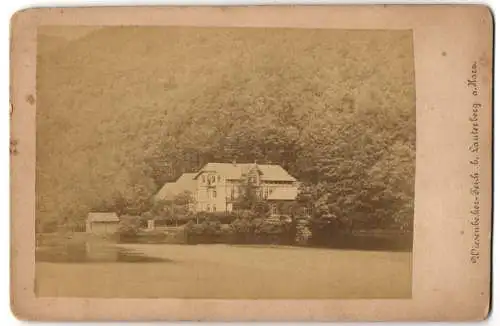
<point>210,179</point>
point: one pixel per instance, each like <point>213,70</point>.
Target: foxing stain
<point>30,99</point>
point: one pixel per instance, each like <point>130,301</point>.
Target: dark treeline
<point>124,110</point>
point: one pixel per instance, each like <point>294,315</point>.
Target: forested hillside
<point>122,110</point>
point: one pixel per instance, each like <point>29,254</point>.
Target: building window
<point>266,192</point>
<point>274,209</point>
<point>214,194</point>
<point>208,207</point>
<point>214,208</point>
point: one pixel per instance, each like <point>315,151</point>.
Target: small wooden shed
<point>102,223</point>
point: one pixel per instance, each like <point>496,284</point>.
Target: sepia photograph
<point>228,163</point>
<point>251,163</point>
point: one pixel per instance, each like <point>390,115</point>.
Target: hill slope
<point>122,109</point>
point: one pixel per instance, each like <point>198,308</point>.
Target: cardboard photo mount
<point>453,49</point>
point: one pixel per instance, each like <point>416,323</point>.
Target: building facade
<point>102,223</point>
<point>216,187</point>
<point>219,185</point>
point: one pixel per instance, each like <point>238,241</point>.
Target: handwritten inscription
<point>474,162</point>
<point>472,81</point>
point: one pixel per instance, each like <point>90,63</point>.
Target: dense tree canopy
<point>122,110</point>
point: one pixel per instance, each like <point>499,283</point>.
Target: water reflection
<point>89,253</point>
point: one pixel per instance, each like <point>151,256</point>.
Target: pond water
<point>90,253</point>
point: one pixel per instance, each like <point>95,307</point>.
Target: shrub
<point>179,219</point>
<point>205,232</point>
<point>222,217</point>
<point>226,230</point>
<point>266,228</point>
<point>247,214</point>
<point>241,225</point>
<point>242,230</point>
<point>129,227</point>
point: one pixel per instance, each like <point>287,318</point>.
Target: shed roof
<point>102,217</point>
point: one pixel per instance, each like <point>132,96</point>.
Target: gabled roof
<point>227,170</point>
<point>275,173</point>
<point>186,182</point>
<point>102,217</point>
<point>283,194</point>
<point>235,171</point>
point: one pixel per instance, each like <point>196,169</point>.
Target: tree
<point>162,209</point>
<point>250,200</point>
<point>247,197</point>
<point>337,122</point>
<point>179,208</point>
<point>182,205</point>
<point>129,227</point>
<point>183,201</point>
